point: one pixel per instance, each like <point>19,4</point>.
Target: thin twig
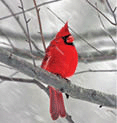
<point>105,30</point>
<point>6,66</point>
<point>22,80</point>
<point>11,44</point>
<point>11,11</point>
<point>114,16</point>
<point>75,32</point>
<point>5,44</point>
<point>115,9</point>
<point>28,33</point>
<point>90,70</point>
<point>101,13</point>
<point>16,79</point>
<point>18,21</point>
<point>18,13</point>
<point>40,27</point>
<point>10,76</point>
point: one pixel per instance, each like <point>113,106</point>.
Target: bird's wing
<point>48,56</point>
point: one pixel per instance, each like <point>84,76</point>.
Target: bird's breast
<point>63,60</point>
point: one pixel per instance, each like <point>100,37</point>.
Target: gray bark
<point>39,74</point>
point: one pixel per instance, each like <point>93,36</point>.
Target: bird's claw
<point>68,81</point>
<point>67,96</point>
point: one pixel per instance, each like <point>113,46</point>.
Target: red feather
<point>63,32</point>
<point>61,58</point>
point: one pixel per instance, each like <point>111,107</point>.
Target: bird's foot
<point>58,75</point>
<point>67,96</point>
<point>68,81</point>
<point>62,90</point>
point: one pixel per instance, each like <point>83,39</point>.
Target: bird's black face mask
<point>65,40</point>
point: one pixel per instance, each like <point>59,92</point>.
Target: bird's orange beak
<point>70,39</point>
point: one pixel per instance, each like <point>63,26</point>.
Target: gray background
<point>26,103</point>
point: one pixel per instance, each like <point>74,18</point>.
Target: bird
<point>61,58</point>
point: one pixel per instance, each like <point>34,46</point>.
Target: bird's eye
<point>64,38</point>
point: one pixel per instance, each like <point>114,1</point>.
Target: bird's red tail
<point>56,103</point>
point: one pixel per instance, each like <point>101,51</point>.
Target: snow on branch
<point>39,74</point>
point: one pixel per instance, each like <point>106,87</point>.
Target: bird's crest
<point>63,32</point>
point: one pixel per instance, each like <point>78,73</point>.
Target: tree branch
<point>21,80</point>
<point>83,57</point>
<point>18,13</point>
<point>113,23</point>
<point>90,70</point>
<point>28,33</point>
<point>18,21</point>
<point>10,76</point>
<point>48,78</point>
<point>112,11</point>
<point>40,26</point>
<point>104,28</point>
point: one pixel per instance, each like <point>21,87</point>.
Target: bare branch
<point>52,80</point>
<point>90,70</point>
<point>32,81</point>
<point>18,21</point>
<point>42,4</point>
<point>101,13</point>
<point>105,30</point>
<point>39,21</point>
<point>28,34</point>
<point>14,16</point>
<point>11,44</point>
<point>22,80</point>
<point>83,57</point>
<point>114,16</point>
<point>10,76</point>
<point>2,65</point>
<point>5,44</point>
<point>115,9</point>
<point>94,56</point>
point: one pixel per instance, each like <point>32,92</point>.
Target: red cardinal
<point>61,59</point>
